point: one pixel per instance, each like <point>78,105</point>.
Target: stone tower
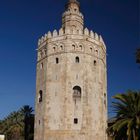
<point>71,83</point>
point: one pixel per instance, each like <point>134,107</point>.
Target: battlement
<point>61,32</point>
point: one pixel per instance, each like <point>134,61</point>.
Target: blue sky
<point>22,22</point>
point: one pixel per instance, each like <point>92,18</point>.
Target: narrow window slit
<point>75,121</point>
<point>40,96</point>
<point>57,60</point>
<point>77,59</point>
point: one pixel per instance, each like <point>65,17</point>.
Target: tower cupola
<point>73,5</point>
<point>72,17</point>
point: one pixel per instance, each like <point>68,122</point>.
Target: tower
<point>71,83</point>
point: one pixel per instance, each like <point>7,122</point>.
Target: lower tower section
<point>71,100</point>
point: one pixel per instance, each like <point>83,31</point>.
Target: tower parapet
<point>71,33</point>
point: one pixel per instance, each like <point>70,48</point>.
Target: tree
<point>138,56</point>
<point>27,113</point>
<point>126,125</point>
<point>13,126</point>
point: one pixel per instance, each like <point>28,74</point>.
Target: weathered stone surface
<point>71,74</point>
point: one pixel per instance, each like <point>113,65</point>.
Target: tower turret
<point>72,17</point>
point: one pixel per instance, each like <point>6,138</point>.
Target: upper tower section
<point>72,18</point>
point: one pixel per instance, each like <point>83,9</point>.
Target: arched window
<point>61,47</point>
<point>54,49</point>
<point>96,51</point>
<point>81,47</point>
<point>95,62</point>
<point>76,92</point>
<point>77,60</point>
<point>40,96</point>
<point>75,9</point>
<point>91,49</point>
<point>57,60</point>
<point>73,46</point>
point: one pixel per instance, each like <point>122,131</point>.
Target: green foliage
<point>27,113</point>
<point>13,126</point>
<point>126,125</point>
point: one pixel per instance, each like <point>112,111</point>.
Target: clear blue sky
<point>22,22</point>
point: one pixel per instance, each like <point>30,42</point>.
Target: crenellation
<point>101,39</point>
<point>49,34</point>
<point>92,34</point>
<point>96,37</point>
<point>42,40</point>
<point>55,33</point>
<point>39,42</point>
<point>86,31</point>
<point>61,32</point>
<point>46,36</point>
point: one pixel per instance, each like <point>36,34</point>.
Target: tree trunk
<point>135,135</point>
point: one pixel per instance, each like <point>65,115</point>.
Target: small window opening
<point>61,47</point>
<point>81,47</point>
<point>77,92</point>
<point>41,66</point>
<point>95,62</point>
<point>40,95</point>
<point>39,122</point>
<point>57,60</point>
<point>75,121</point>
<point>91,49</point>
<point>77,59</point>
<point>73,47</point>
<point>54,49</point>
<point>96,51</point>
<point>75,9</point>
